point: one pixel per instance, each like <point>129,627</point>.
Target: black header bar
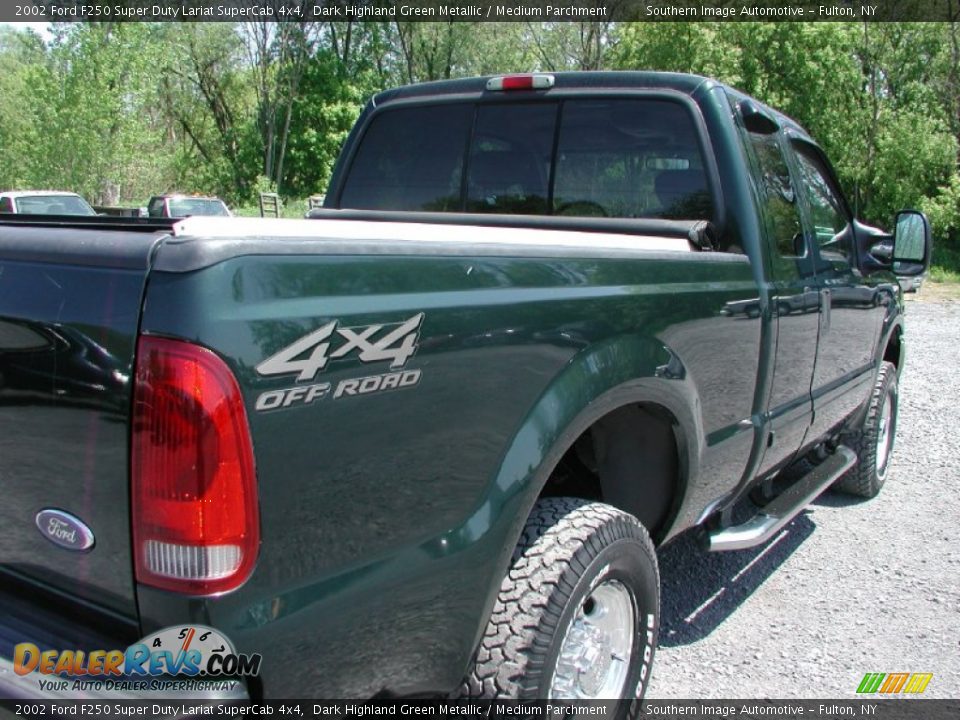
<point>860,707</point>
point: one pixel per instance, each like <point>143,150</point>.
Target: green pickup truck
<point>424,442</point>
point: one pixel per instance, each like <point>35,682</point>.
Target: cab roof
<point>185,196</point>
<point>684,83</point>
<point>678,82</point>
<point>14,194</point>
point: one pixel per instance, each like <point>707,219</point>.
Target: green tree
<point>882,98</point>
<point>87,103</point>
<point>20,53</point>
<point>321,119</point>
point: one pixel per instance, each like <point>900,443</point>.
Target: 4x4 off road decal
<point>308,356</point>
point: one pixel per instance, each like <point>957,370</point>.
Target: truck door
<point>793,298</point>
<point>851,310</point>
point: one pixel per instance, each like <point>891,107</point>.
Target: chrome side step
<point>786,506</point>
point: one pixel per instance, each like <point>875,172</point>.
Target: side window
<point>509,166</point>
<point>6,205</point>
<point>828,217</point>
<point>155,209</point>
<point>410,159</point>
<point>777,196</point>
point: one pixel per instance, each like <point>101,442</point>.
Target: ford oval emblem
<point>63,529</point>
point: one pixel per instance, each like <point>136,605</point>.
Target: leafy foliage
<point>883,99</point>
<point>119,112</point>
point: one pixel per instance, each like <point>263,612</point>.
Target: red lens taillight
<point>195,517</point>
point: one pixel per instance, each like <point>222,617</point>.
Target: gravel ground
<point>850,586</point>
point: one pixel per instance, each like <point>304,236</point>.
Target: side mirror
<point>911,243</point>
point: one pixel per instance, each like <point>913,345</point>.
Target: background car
<point>178,206</point>
<point>44,202</point>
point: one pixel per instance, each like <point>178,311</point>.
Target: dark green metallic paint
<point>425,486</point>
<point>388,519</point>
<point>67,337</point>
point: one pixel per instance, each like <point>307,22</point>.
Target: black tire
<point>571,552</point>
<point>867,477</point>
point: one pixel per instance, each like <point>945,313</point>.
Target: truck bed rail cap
<point>364,231</point>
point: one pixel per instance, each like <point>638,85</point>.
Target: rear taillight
<point>521,82</point>
<point>195,516</point>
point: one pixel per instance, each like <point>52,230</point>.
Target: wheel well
<point>628,459</point>
<point>892,352</point>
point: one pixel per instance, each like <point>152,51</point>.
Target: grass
<point>940,274</point>
<point>943,282</point>
<point>294,208</point>
<point>945,267</point>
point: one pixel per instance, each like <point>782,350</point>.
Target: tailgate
<point>69,311</point>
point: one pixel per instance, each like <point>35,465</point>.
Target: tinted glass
<point>630,158</point>
<point>777,196</point>
<point>509,167</point>
<point>615,158</point>
<point>6,205</point>
<point>410,159</point>
<point>827,214</point>
<point>53,205</point>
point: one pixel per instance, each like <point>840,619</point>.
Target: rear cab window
<point>509,165</point>
<point>411,159</point>
<point>630,159</point>
<point>590,157</point>
<point>53,205</point>
<point>156,207</point>
<point>184,207</point>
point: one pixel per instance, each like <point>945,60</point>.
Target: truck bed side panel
<point>387,516</point>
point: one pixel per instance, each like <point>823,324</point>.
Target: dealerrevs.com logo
<point>186,657</point>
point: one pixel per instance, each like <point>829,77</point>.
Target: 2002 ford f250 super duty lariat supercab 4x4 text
<point>424,442</point>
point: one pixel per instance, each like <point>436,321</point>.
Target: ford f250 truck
<point>426,441</point>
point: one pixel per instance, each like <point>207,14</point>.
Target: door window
<point>830,225</point>
<point>779,207</point>
<point>777,196</point>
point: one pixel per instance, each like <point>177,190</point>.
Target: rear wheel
<point>578,611</point>
<point>874,447</point>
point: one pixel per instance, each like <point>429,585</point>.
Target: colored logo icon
<point>894,683</point>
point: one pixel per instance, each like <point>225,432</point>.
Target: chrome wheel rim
<point>884,437</point>
<point>594,658</point>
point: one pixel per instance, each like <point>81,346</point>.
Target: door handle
<point>825,310</point>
